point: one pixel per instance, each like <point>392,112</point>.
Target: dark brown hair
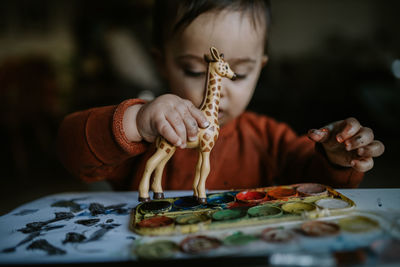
<point>171,16</point>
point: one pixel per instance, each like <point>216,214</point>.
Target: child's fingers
<point>374,149</point>
<point>165,129</point>
<point>350,127</point>
<point>362,165</point>
<point>190,123</point>
<point>197,114</point>
<point>178,127</point>
<point>364,137</point>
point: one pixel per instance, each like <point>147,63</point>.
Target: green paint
<point>265,211</point>
<point>229,214</point>
<point>161,249</point>
<point>239,239</point>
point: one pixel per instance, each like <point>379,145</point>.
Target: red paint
<point>156,221</point>
<point>252,196</point>
<point>282,193</point>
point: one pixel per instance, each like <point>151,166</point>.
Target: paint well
<point>311,189</point>
<point>220,199</point>
<point>297,207</point>
<point>277,235</point>
<point>239,239</point>
<point>332,203</point>
<point>161,249</point>
<point>320,228</point>
<point>198,244</point>
<point>156,221</point>
<point>252,196</point>
<point>282,193</point>
<point>229,214</point>
<point>358,224</point>
<point>267,211</point>
<point>155,207</point>
<point>192,219</point>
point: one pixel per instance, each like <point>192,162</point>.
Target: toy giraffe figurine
<point>207,137</point>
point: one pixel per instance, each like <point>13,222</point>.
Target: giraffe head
<point>218,64</point>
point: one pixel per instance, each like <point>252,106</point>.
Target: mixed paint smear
<point>35,229</point>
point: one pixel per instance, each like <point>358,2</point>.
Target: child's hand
<point>172,117</point>
<point>348,144</point>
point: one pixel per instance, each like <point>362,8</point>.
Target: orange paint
<point>282,193</point>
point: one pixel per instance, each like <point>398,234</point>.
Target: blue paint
<point>220,199</point>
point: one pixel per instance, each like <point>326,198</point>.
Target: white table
<point>110,239</point>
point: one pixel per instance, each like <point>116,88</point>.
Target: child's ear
<point>159,61</point>
<point>264,60</point>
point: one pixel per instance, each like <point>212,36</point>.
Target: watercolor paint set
<point>236,209</point>
<point>280,222</point>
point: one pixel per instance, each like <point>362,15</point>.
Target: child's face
<point>233,34</point>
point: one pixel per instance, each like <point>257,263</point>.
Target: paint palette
<point>237,209</point>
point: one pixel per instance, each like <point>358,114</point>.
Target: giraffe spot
<point>213,89</point>
<point>208,113</point>
<point>202,144</point>
<point>208,100</point>
<point>162,145</point>
<point>211,144</point>
<point>210,106</point>
<point>206,150</point>
<point>211,76</point>
<point>219,87</point>
<point>216,102</point>
<point>209,92</point>
<point>206,136</point>
<point>215,114</point>
<point>215,121</point>
<point>219,79</point>
<point>212,82</point>
<point>215,138</point>
<point>168,150</point>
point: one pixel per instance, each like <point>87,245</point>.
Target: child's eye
<point>241,76</point>
<point>194,73</point>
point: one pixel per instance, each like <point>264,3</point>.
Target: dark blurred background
<point>328,60</point>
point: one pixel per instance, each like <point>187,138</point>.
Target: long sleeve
<point>92,145</point>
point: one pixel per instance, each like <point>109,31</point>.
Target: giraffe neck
<point>212,95</point>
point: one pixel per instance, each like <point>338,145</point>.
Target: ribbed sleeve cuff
<point>132,148</point>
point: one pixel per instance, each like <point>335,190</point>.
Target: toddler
<point>113,143</point>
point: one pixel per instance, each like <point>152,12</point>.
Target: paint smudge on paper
<point>42,244</point>
<point>88,222</point>
<point>42,226</point>
<point>97,208</point>
<point>71,204</point>
<point>101,232</point>
<point>74,238</point>
<point>26,240</point>
<point>25,212</point>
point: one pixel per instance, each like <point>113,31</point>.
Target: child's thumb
<point>318,135</point>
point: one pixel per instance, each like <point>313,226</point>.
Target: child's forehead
<point>232,32</point>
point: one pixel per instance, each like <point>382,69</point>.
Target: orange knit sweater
<point>252,151</point>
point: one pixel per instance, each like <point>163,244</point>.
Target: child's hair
<point>171,16</point>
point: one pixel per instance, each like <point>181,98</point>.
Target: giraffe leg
<point>197,176</point>
<point>205,170</point>
<point>156,185</point>
<point>151,164</point>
